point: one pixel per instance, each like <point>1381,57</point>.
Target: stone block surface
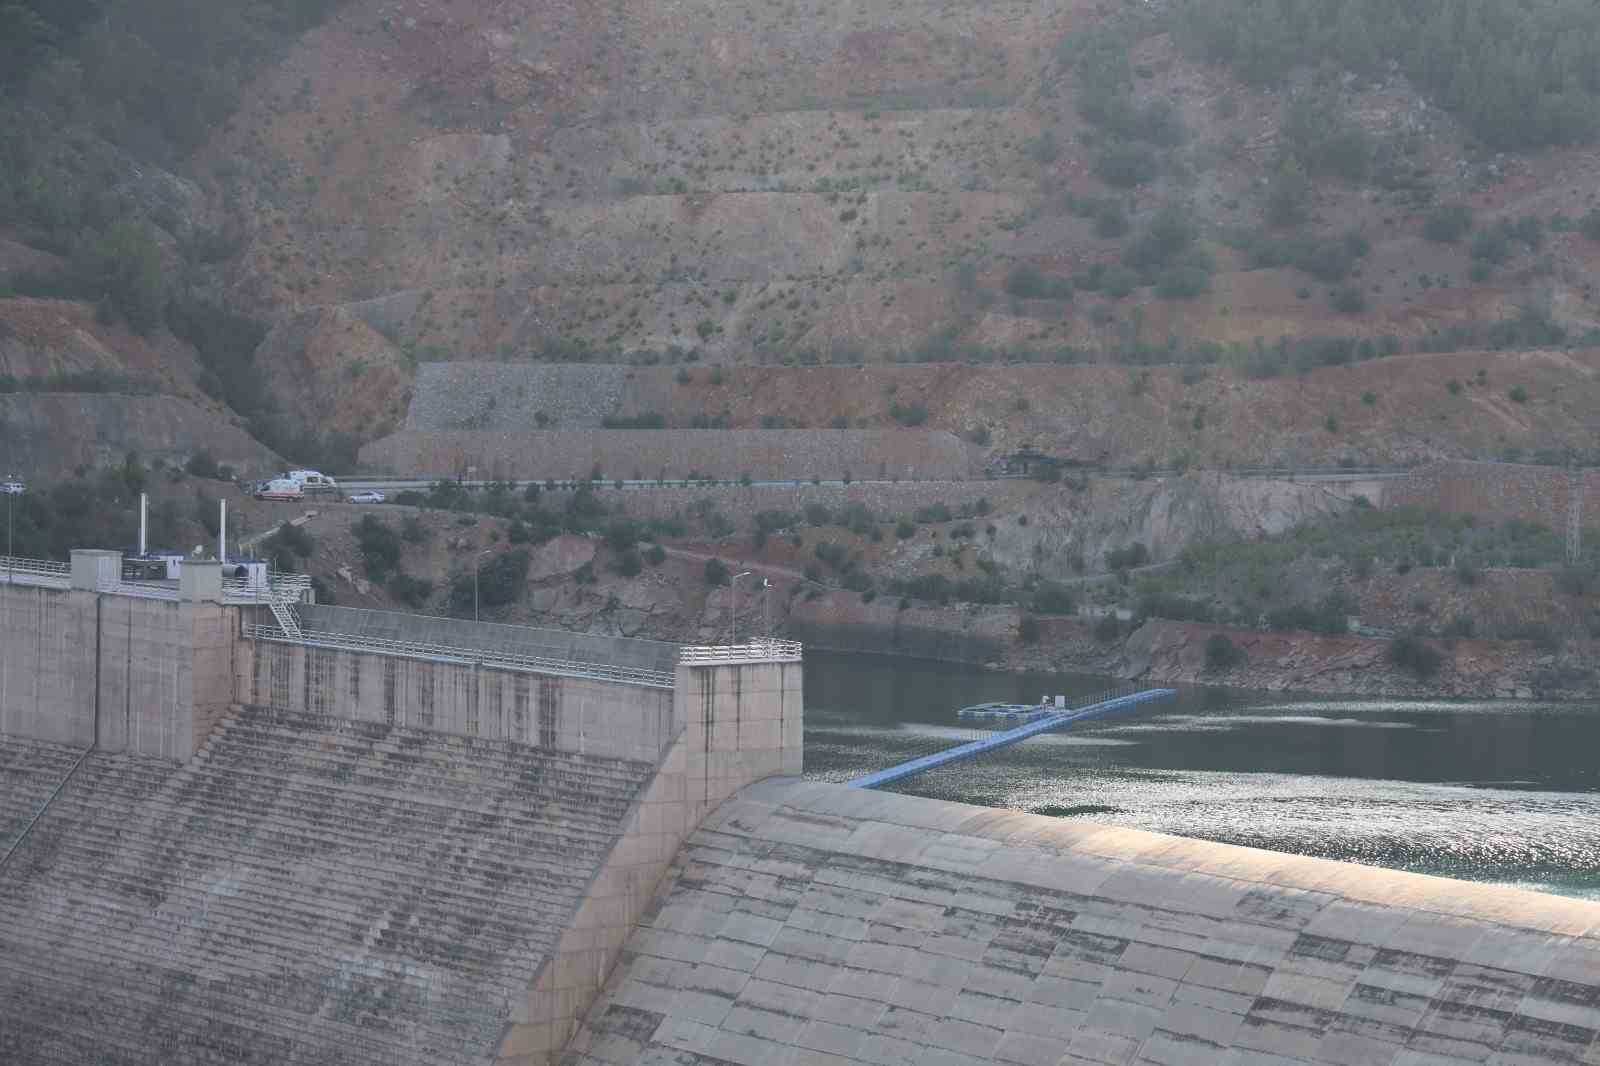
<point>867,945</point>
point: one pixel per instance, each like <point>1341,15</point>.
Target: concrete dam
<point>240,828</point>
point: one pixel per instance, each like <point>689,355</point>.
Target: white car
<point>368,496</point>
<point>12,488</point>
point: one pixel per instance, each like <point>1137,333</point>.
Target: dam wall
<point>80,666</point>
<point>741,723</point>
<point>591,695</point>
<point>809,922</point>
<point>466,698</point>
<point>513,795</point>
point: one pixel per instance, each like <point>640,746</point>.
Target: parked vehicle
<point>312,482</point>
<point>368,496</point>
<point>280,489</point>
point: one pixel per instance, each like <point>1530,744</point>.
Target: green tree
<point>1222,653</point>
<point>1289,194</point>
<point>716,572</point>
<point>379,545</point>
<point>124,266</point>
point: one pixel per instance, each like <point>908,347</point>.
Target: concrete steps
<point>305,890</point>
<point>29,771</point>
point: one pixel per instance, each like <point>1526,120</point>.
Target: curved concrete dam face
<point>809,923</point>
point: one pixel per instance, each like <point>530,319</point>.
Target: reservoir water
<point>1502,792</point>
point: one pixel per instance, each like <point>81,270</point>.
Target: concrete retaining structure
<point>675,454</point>
<point>443,852</point>
<point>1496,492</point>
<point>311,891</point>
<point>513,397</point>
<point>459,688</point>
<point>885,501</point>
<point>467,699</point>
<point>741,723</point>
<point>127,674</point>
<point>812,923</point>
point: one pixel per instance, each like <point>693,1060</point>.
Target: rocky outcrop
<point>49,435</point>
<point>1308,662</point>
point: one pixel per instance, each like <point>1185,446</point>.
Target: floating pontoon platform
<point>1051,721</point>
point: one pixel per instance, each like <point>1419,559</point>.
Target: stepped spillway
<point>306,890</point>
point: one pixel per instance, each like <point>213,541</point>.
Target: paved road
<point>356,483</point>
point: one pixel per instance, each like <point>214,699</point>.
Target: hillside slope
<point>411,182</point>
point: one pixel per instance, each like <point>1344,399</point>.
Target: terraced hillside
<point>774,183</point>
<point>304,891</point>
<point>799,422</point>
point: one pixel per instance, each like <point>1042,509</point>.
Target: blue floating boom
<point>1009,737</point>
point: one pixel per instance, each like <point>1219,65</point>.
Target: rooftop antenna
<point>144,524</point>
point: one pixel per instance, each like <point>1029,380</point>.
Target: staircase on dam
<point>304,890</point>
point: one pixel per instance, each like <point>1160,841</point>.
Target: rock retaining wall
<point>514,398</point>
<point>676,454</point>
<point>1495,492</point>
<point>886,502</point>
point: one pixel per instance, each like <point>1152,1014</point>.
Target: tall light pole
<point>766,607</point>
<point>477,564</point>
<point>733,613</point>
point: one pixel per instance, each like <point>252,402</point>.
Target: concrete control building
<point>239,828</point>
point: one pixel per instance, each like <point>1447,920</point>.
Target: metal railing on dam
<point>769,651</point>
<point>461,655</point>
<point>41,573</point>
<point>757,651</point>
<point>48,573</point>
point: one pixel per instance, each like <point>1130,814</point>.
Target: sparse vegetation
<point>379,545</point>
<point>1447,223</point>
<point>1521,75</point>
<point>1413,654</point>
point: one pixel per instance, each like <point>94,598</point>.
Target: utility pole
<point>1574,513</point>
<point>733,609</point>
<point>477,564</point>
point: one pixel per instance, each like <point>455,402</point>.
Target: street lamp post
<point>477,564</point>
<point>11,551</point>
<point>766,608</point>
<point>733,613</point>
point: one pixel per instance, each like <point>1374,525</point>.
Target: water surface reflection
<point>1489,791</point>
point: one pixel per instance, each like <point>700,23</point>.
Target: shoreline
<point>1174,652</point>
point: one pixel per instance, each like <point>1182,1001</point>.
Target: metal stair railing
<point>758,651</point>
<point>285,616</point>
